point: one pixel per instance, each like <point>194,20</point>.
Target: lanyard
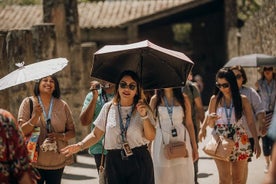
<point>122,127</point>
<point>228,116</point>
<point>47,117</point>
<point>169,108</point>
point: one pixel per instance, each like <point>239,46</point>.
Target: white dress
<point>176,171</point>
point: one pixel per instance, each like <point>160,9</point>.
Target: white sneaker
<point>266,168</point>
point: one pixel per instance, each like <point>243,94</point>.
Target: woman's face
<point>223,86</point>
<point>127,88</point>
<point>239,77</point>
<point>47,85</point>
<point>268,72</point>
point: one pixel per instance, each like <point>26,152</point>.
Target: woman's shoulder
<point>244,99</point>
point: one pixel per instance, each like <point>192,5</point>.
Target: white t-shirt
<point>113,139</point>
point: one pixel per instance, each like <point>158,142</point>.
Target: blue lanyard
<point>122,127</point>
<point>169,108</point>
<point>228,116</point>
<point>47,117</point>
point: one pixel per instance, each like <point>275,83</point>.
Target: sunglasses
<point>124,85</point>
<point>268,68</point>
<point>239,76</point>
<point>224,85</point>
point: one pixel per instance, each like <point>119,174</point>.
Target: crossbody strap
<point>157,113</point>
<point>102,157</point>
<point>31,106</point>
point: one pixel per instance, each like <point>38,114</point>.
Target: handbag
<point>102,174</point>
<point>31,140</point>
<point>219,147</point>
<point>175,150</point>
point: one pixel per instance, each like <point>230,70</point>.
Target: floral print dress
<point>234,130</point>
<point>14,160</point>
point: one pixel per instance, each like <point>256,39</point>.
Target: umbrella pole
<point>141,71</point>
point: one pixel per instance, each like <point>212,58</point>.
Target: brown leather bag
<point>175,150</point>
<point>219,147</point>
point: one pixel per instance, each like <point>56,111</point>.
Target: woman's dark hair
<point>177,92</point>
<point>240,69</point>
<point>229,76</point>
<point>56,92</point>
<point>135,77</point>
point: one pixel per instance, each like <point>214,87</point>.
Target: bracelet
<point>81,145</point>
<point>63,136</point>
<point>31,124</point>
<point>144,117</point>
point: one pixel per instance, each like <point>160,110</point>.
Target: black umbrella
<point>252,60</point>
<point>156,66</point>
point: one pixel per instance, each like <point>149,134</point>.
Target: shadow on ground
<point>76,177</point>
<point>204,175</point>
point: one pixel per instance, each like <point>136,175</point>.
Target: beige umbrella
<point>32,72</point>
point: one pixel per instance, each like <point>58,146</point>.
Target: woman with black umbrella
<point>128,125</point>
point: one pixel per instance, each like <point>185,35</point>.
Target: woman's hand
<point>195,155</point>
<point>257,148</point>
<point>71,149</point>
<point>212,118</point>
<point>141,108</point>
<point>56,136</point>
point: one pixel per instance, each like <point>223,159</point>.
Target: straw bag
<point>219,147</point>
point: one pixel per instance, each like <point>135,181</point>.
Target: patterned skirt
<point>242,149</point>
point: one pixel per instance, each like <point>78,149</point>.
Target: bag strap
<point>157,114</point>
<point>102,157</point>
<point>31,106</point>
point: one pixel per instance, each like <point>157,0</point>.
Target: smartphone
<point>98,86</point>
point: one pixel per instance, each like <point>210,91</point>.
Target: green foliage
<point>182,34</point>
<point>246,8</point>
<point>20,2</point>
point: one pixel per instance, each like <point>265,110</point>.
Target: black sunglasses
<point>238,76</point>
<point>224,85</point>
<point>268,68</point>
<point>124,85</point>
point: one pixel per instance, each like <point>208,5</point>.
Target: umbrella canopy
<point>156,66</point>
<point>32,72</point>
<point>252,60</point>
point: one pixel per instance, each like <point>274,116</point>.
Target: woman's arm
<point>87,114</point>
<point>88,141</point>
<point>146,116</point>
<point>26,122</point>
<point>251,125</point>
<point>210,119</point>
<point>190,127</point>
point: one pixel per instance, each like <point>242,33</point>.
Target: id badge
<point>270,107</point>
<point>127,150</point>
<point>174,132</point>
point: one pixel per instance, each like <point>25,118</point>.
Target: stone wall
<point>59,36</point>
<point>256,36</point>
